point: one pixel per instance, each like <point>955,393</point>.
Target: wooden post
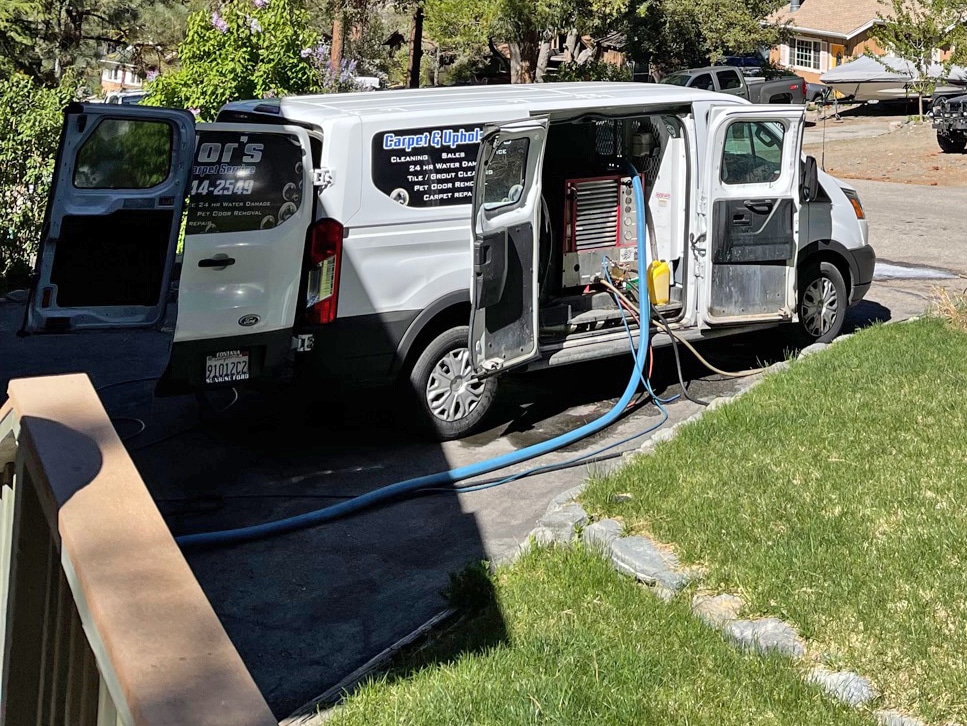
<point>416,47</point>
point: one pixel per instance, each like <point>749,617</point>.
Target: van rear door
<point>112,220</point>
<point>751,206</point>
<point>506,219</point>
<point>250,206</point>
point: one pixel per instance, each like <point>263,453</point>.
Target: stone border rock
<point>656,566</point>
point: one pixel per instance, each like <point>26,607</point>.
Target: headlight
<point>854,199</point>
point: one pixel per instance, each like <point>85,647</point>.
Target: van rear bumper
<point>361,350</point>
<point>268,357</point>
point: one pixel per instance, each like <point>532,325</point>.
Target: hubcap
<point>820,305</point>
<point>453,391</point>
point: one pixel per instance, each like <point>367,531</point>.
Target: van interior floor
<point>583,312</point>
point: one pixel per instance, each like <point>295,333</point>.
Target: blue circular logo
<point>248,321</point>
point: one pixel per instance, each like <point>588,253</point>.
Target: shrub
<point>591,71</point>
<point>950,307</point>
<point>248,49</point>
<point>30,123</point>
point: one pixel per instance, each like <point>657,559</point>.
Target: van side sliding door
<point>751,205</point>
<point>506,223</point>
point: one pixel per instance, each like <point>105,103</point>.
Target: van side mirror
<point>809,185</point>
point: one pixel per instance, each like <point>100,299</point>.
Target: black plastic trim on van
<point>263,117</point>
<point>185,372</point>
<point>860,261</point>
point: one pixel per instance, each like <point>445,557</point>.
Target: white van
<point>331,235</point>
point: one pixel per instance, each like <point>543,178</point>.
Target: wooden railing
<point>101,619</point>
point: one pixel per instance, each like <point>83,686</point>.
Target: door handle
<point>762,207</point>
<point>217,262</point>
<point>741,220</point>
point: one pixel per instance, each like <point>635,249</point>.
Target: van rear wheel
<point>452,399</point>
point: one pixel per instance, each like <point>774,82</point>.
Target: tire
<point>952,143</point>
<point>452,401</point>
<point>822,303</point>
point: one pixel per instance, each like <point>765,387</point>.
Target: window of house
<point>806,54</point>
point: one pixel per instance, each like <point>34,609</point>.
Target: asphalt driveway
<point>307,608</point>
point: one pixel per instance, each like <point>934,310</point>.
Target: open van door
<point>112,219</point>
<point>250,209</point>
<point>751,205</point>
<point>506,223</point>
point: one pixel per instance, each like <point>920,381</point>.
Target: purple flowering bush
<point>249,49</point>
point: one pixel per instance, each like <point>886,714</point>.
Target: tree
<point>459,29</point>
<point>667,33</point>
<point>30,124</point>
<point>43,38</point>
<point>249,49</point>
<point>527,27</point>
<point>672,34</point>
<point>915,30</point>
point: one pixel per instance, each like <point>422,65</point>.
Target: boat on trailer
<point>889,78</point>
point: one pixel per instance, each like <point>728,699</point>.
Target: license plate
<point>226,367</point>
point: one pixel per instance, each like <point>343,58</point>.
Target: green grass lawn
<point>566,640</point>
<point>834,496</point>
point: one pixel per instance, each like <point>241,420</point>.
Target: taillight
<point>802,87</point>
<point>323,257</point>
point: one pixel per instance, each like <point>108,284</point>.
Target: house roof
<point>842,18</point>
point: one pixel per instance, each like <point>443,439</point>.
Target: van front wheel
<point>452,399</point>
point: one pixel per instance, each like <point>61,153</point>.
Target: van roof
<point>543,98</point>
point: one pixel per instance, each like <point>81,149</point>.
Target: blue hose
<point>328,514</point>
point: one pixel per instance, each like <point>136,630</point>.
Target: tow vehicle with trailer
<point>370,238</point>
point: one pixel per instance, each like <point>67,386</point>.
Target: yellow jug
<point>659,277</point>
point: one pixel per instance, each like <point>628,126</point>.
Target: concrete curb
<point>320,709</point>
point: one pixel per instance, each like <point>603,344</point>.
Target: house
<point>118,73</point>
<point>825,33</point>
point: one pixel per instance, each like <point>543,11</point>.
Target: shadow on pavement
<point>864,314</point>
<point>306,608</point>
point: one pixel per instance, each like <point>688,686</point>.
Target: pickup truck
<point>725,79</point>
<point>950,122</point>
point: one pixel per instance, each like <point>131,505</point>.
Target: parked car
<point>950,121</point>
<point>126,98</point>
<point>726,79</point>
